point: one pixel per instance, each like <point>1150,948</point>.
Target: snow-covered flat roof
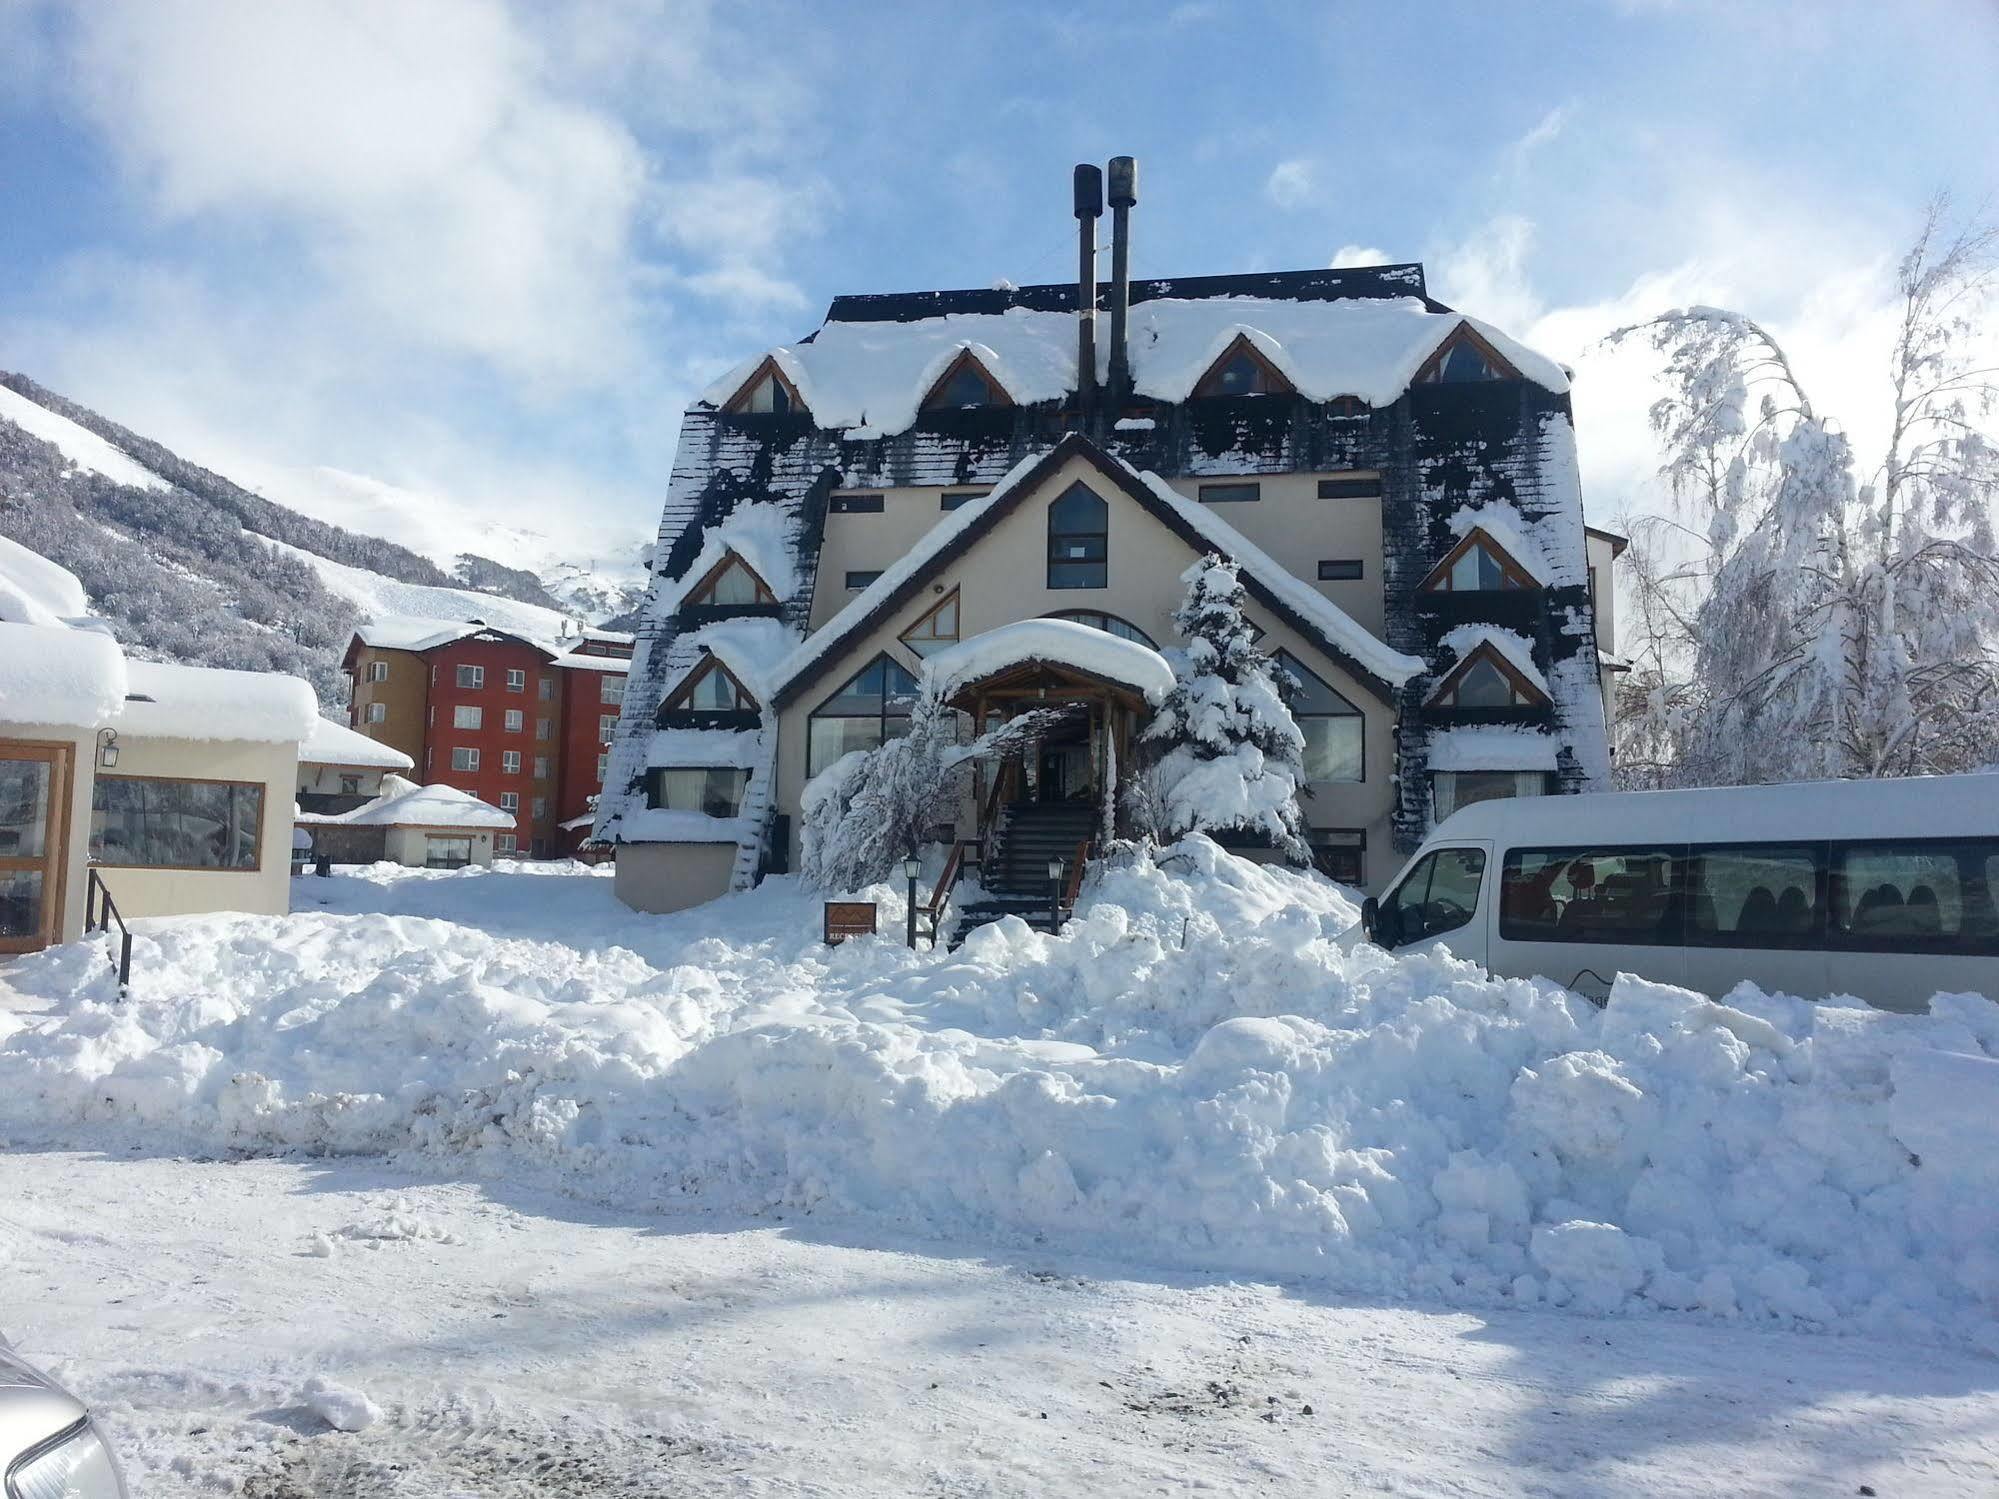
<point>1057,642</point>
<point>875,375</point>
<point>331,743</point>
<point>36,591</point>
<point>577,661</point>
<point>404,804</point>
<point>407,632</point>
<point>199,702</point>
<point>1492,747</point>
<point>58,676</point>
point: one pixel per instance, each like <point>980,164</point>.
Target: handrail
<point>99,911</point>
<point>1075,886</point>
<point>941,892</point>
<point>990,811</point>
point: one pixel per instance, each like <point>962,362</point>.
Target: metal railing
<point>99,911</point>
<point>940,894</point>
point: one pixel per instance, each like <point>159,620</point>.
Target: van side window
<point>1623,895</point>
<point>1916,897</point>
<point>1763,896</point>
<point>1438,895</point>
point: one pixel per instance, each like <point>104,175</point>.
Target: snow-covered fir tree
<point>1810,621</point>
<point>1226,754</point>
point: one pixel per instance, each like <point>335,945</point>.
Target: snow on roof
<point>1334,623</point>
<point>663,825</point>
<point>1058,642</point>
<point>1505,525</point>
<point>610,637</point>
<point>331,743</point>
<point>577,661</point>
<point>753,649</point>
<point>1492,747</point>
<point>874,375</point>
<point>78,444</point>
<point>404,804</point>
<point>1515,649</point>
<point>380,598</point>
<point>403,632</point>
<point>74,678</point>
<point>36,591</point>
<point>760,533</point>
<point>200,702</point>
<point>743,748</point>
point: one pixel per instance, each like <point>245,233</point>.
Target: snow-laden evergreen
<point>1828,623</point>
<point>1228,757</point>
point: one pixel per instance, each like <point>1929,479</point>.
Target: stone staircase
<point>1015,874</point>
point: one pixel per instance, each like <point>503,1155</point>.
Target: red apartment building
<point>519,723</point>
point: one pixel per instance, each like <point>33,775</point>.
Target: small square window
<point>464,759</point>
<point>378,671</point>
<point>517,679</point>
<point>611,689</point>
<point>515,720</point>
<point>471,677</point>
<point>858,504</point>
<point>504,843</point>
<point>510,801</point>
<point>378,713</point>
<point>546,690</point>
<point>541,767</point>
<point>607,727</point>
<point>1341,854</point>
<point>468,716</point>
<point>957,497</point>
<point>1340,570</point>
<point>860,580</point>
<point>544,729</point>
<point>510,762</point>
<point>1230,494</point>
<point>540,808</point>
<point>603,768</point>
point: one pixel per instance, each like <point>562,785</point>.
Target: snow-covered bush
<point>1225,753</point>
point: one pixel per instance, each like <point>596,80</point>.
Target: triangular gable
<point>881,600</point>
<point>1478,536</point>
<point>1275,381</point>
<point>1464,335</point>
<point>730,558</point>
<point>1487,651</point>
<point>676,700</point>
<point>746,393</point>
<point>966,366</point>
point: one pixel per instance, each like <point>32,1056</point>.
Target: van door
<point>1440,902</point>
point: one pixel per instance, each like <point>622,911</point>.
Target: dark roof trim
<point>1074,445</point>
<point>1333,285</point>
<point>1617,543</point>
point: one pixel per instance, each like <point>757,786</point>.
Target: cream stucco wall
<point>180,892</point>
<point>76,859</point>
<point>411,846</point>
<point>663,877</point>
<point>1003,579</point>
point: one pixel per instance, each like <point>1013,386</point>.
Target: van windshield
<point>1438,895</point>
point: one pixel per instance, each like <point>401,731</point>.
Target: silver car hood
<point>33,1408</point>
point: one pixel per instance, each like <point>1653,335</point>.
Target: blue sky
<point>489,251</point>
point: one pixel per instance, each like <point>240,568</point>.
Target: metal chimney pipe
<point>1123,194</point>
<point>1089,208</point>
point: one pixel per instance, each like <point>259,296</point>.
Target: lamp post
<point>1054,895</point>
<point>911,868</point>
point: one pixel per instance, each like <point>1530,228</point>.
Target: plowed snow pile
<point>1193,1074</point>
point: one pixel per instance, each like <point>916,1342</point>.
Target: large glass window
<point>1335,732</point>
<point>770,396</point>
<point>710,690</point>
<point>1486,684</point>
<point>466,716</point>
<point>1453,790</point>
<point>446,853</point>
<point>733,583</point>
<point>1439,895</point>
<point>936,630</point>
<point>611,689</point>
<point>965,385</point>
<point>1929,896</point>
<point>145,823</point>
<point>715,790</point>
<point>1110,624</point>
<point>1079,540</point>
<point>1764,896</point>
<point>464,758</point>
<point>471,676</point>
<point>1589,895</point>
<point>872,708</point>
<point>1480,568</point>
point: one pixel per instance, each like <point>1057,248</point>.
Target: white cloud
<point>1544,130</point>
<point>1290,183</point>
<point>1356,255</point>
<point>1486,275</point>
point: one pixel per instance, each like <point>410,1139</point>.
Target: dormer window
<point>1477,564</point>
<point>936,630</point>
<point>1484,680</point>
<point>767,393</point>
<point>711,689</point>
<point>1465,359</point>
<point>965,383</point>
<point>1242,371</point>
<point>732,582</point>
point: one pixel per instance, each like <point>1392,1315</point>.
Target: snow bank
<point>75,678</point>
<point>36,591</point>
<point>198,702</point>
<point>1193,1074</point>
<point>338,1405</point>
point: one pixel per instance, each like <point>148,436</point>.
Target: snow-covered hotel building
<point>925,485</point>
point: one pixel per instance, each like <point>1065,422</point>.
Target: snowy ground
<point>691,1203</point>
<point>521,1344</point>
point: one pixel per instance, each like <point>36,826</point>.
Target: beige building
<point>422,827</point>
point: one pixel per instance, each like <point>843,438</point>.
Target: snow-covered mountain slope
<point>189,566</point>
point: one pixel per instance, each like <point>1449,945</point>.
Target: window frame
<point>678,702</point>
<point>1840,941</point>
<point>1275,382</point>
<point>1354,486</point>
<point>1812,940</point>
<point>882,717</point>
<point>1438,578</point>
<point>1298,669</point>
<point>97,857</point>
<point>702,594</point>
<point>742,403</point>
<point>1103,537</point>
<point>510,762</point>
<point>1444,694</point>
<point>934,641</point>
<point>655,784</point>
<point>1671,931</point>
<point>1215,493</point>
<point>517,679</point>
<point>952,499</point>
<point>377,713</point>
<point>860,502</point>
<point>1438,819</point>
<point>1498,367</point>
<point>468,716</point>
<point>378,671</point>
<point>469,676</point>
<point>1358,574</point>
<point>1137,636</point>
<point>471,753</point>
<point>514,722</point>
<point>996,393</point>
<point>859,578</point>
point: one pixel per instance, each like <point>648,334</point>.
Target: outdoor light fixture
<point>107,748</point>
<point>911,868</point>
<point>1055,870</point>
<point>1054,895</point>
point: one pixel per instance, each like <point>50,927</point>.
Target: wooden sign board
<point>849,918</point>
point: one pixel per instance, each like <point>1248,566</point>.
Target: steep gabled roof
<point>1371,662</point>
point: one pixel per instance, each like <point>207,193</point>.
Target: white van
<point>1887,891</point>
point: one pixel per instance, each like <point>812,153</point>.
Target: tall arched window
<point>1333,727</point>
<point>871,708</point>
<point>1079,525</point>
